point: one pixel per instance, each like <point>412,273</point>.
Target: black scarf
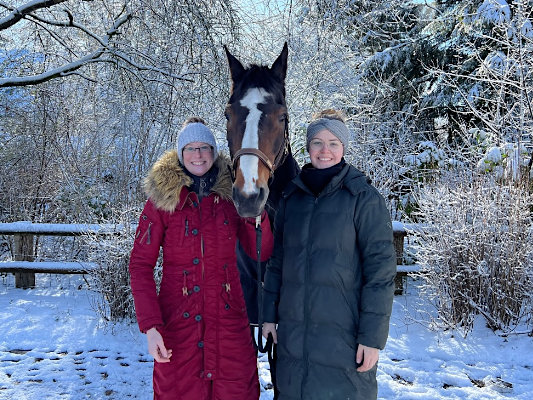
<point>317,179</point>
<point>202,184</point>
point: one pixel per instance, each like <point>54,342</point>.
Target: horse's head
<point>257,129</point>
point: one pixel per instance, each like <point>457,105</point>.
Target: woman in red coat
<point>196,326</point>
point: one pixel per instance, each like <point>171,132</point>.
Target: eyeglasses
<point>318,145</point>
<point>203,149</point>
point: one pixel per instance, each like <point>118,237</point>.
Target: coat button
<point>200,344</point>
<point>195,204</point>
<point>186,314</point>
<point>226,306</point>
<point>196,288</point>
<point>209,374</point>
<point>195,231</point>
<point>198,318</point>
<point>195,261</point>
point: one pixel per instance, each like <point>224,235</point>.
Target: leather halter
<point>278,160</point>
<point>249,151</point>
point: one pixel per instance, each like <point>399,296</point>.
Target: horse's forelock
<point>260,77</point>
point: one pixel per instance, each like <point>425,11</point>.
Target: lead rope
<point>269,348</point>
<point>258,237</point>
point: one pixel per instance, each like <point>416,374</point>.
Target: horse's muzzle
<point>250,205</point>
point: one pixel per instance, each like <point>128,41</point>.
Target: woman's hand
<point>156,347</point>
<point>368,356</point>
<point>270,327</point>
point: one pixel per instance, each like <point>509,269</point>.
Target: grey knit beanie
<point>196,132</point>
<point>335,126</point>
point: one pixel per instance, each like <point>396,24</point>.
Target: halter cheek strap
<point>280,156</point>
<point>253,152</point>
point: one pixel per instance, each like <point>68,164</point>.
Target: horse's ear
<point>235,66</point>
<point>280,65</point>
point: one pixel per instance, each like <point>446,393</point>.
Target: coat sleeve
<point>375,242</point>
<point>143,258</point>
<point>271,288</point>
<point>247,237</point>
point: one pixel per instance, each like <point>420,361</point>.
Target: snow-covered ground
<point>53,346</point>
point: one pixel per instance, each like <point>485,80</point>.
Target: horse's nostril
<point>261,195</point>
<point>250,205</point>
<point>236,196</point>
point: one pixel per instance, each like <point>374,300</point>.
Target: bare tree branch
<point>71,24</point>
<point>104,53</point>
<point>19,13</point>
<point>55,73</point>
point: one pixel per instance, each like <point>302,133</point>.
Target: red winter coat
<point>200,309</point>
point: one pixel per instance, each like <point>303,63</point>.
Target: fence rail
<point>25,267</point>
<point>47,267</point>
<point>43,229</point>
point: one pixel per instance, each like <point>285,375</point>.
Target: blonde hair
<point>192,120</point>
<point>329,113</point>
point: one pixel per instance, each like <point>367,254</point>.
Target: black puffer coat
<point>329,285</point>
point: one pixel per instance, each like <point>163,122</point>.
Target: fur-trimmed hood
<point>166,179</point>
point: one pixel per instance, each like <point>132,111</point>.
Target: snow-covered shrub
<point>111,280</point>
<point>505,162</point>
<point>475,251</point>
<point>494,12</point>
<point>82,200</point>
<point>422,167</point>
<point>426,161</point>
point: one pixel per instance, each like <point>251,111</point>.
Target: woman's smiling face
<point>325,150</point>
<point>198,158</point>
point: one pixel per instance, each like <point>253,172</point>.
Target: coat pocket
<point>178,230</point>
<point>144,230</point>
<point>233,304</point>
<point>364,383</point>
<point>176,314</point>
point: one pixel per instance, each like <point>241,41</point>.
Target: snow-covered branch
<point>107,50</point>
<point>55,73</point>
<point>18,13</point>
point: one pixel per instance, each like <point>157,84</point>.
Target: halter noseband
<point>278,160</point>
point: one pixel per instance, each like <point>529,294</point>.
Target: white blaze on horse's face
<point>248,164</point>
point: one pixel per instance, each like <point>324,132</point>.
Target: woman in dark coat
<point>329,284</point>
<point>196,326</point>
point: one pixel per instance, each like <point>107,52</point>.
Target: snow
<point>54,346</point>
<point>428,153</point>
<point>495,11</point>
<point>494,155</point>
<point>42,228</point>
<point>48,265</point>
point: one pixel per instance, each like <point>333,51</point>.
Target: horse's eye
<point>226,114</point>
<point>283,117</point>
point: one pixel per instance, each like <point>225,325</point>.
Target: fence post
<point>24,252</point>
<point>399,236</point>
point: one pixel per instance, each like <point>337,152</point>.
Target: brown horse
<point>258,139</point>
<point>257,130</point>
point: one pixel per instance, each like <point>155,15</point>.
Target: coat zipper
<point>306,297</point>
<point>201,241</point>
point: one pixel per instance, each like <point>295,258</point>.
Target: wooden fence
<point>25,267</point>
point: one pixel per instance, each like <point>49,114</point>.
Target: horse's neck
<point>283,174</point>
